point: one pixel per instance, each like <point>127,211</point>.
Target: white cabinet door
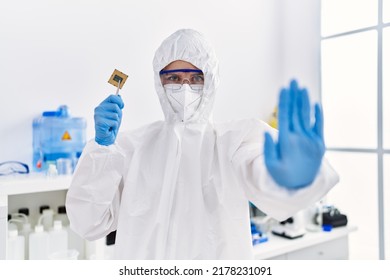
<point>331,250</point>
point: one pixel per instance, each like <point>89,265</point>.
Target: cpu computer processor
<point>118,79</point>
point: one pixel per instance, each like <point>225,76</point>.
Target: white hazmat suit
<point>180,190</point>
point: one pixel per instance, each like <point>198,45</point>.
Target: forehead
<point>180,64</point>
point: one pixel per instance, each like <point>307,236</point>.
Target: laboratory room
<point>157,130</point>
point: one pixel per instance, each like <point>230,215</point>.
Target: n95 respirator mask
<point>184,99</point>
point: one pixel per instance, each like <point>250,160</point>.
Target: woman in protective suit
<point>179,188</point>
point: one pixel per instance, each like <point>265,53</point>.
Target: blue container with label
<point>56,136</point>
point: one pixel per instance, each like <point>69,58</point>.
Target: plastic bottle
<point>95,250</point>
<point>25,232</point>
<point>47,219</point>
<point>43,207</point>
<point>24,227</point>
<point>39,244</point>
<point>38,219</point>
<point>58,238</point>
<point>15,248</point>
<point>25,211</point>
<point>61,215</point>
<point>74,240</point>
<point>11,224</point>
<point>22,216</point>
<point>52,170</point>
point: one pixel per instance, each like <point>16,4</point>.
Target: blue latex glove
<point>295,159</point>
<point>108,117</point>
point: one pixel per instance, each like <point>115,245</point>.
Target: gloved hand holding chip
<point>118,79</point>
<point>108,115</point>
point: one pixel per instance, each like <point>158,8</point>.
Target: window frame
<point>379,151</point>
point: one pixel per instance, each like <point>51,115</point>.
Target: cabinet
<point>29,191</point>
<point>321,245</point>
<point>34,190</point>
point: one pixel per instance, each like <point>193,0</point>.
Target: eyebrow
<point>180,70</point>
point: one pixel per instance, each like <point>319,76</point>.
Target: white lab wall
<point>63,52</point>
<point>301,29</point>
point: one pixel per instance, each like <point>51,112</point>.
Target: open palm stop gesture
<point>294,160</point>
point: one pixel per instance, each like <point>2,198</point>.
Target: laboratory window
<point>386,11</point>
<point>349,86</point>
<point>346,15</point>
<point>355,93</point>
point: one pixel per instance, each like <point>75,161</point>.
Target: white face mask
<point>184,100</point>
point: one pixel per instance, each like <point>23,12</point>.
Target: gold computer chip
<point>117,77</point>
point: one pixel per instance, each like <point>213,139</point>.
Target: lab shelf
<point>20,185</point>
<point>33,183</point>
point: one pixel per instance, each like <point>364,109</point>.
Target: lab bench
<point>319,245</point>
<point>34,189</point>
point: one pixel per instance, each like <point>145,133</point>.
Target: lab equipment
<point>25,227</point>
<point>46,219</point>
<point>61,216</point>
<point>257,235</point>
<point>24,211</point>
<point>264,223</point>
<point>39,244</point>
<point>15,246</point>
<point>331,216</point>
<point>74,240</point>
<point>25,232</point>
<point>118,79</point>
<point>57,135</point>
<point>108,117</point>
<point>58,238</point>
<point>64,166</point>
<point>52,170</point>
<point>11,222</point>
<point>291,228</point>
<point>294,160</point>
<point>13,167</point>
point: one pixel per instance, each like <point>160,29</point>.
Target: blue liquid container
<point>56,135</point>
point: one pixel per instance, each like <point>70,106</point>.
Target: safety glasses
<point>181,76</point>
<point>12,167</point>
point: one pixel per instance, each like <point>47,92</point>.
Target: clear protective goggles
<point>11,167</point>
<point>175,78</point>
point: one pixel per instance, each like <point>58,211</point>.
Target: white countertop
<point>277,245</point>
<point>32,183</point>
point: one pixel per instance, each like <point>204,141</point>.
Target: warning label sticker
<point>66,136</point>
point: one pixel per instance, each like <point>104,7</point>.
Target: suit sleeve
<point>93,198</point>
<point>260,188</point>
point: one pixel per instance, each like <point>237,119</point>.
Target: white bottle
<point>39,244</point>
<point>15,248</point>
<point>58,238</point>
<point>61,215</point>
<point>47,219</point>
<point>74,240</point>
<point>25,232</point>
<point>52,171</point>
<point>95,250</point>
<point>12,225</point>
